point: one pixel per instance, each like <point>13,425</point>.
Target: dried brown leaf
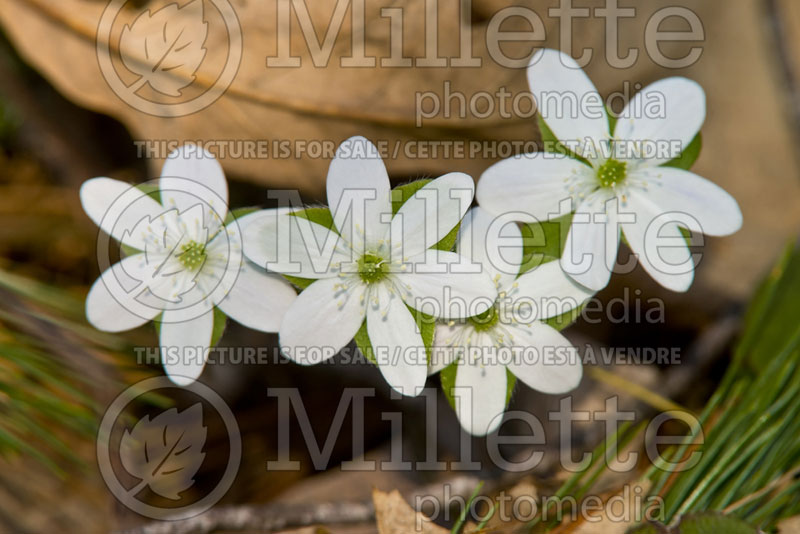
<point>395,516</point>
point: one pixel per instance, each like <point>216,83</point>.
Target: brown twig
<point>272,517</point>
<point>778,482</point>
<point>263,518</point>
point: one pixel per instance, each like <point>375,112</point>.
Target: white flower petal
<point>659,245</point>
<point>480,389</point>
<point>191,175</point>
<point>430,214</point>
<point>551,289</point>
<point>287,244</point>
<point>396,341</point>
<point>442,353</point>
<point>118,300</point>
<point>495,243</point>
<point>321,321</point>
<point>590,251</point>
<point>359,194</point>
<point>554,367</point>
<point>681,112</point>
<point>531,186</point>
<point>440,284</point>
<point>187,344</point>
<point>223,261</point>
<point>712,210</point>
<point>258,300</point>
<point>566,98</point>
<point>117,207</point>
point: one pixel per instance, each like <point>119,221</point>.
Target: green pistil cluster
<point>485,321</point>
<point>612,173</point>
<point>371,268</point>
<point>192,255</point>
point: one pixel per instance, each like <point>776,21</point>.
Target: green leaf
<point>543,242</point>
<point>689,155</point>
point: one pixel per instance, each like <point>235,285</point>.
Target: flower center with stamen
<point>371,268</point>
<point>612,173</point>
<point>485,321</point>
<point>192,255</point>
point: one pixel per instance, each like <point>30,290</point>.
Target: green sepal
<point>612,121</point>
<point>689,155</point>
<point>447,378</point>
<point>425,323</point>
<point>150,189</point>
<point>402,193</point>
<point>220,322</point>
<point>364,344</point>
<point>544,241</point>
<point>551,144</point>
<point>319,215</point>
<point>300,283</point>
<point>560,322</point>
<point>128,251</point>
<point>238,213</point>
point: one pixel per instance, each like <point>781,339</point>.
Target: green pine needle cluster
<point>750,465</point>
<point>43,401</point>
<point>749,469</point>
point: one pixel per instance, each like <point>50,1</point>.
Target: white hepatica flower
<point>638,195</point>
<point>371,267</point>
<point>509,336</point>
<point>187,261</point>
